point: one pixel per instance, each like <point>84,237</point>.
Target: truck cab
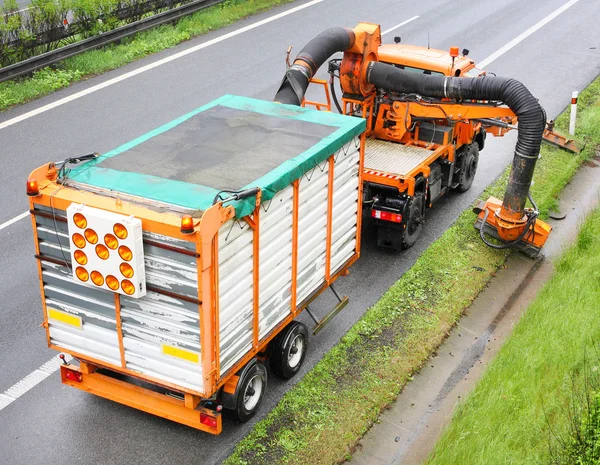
<point>428,61</point>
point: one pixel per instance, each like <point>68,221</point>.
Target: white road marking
<point>398,25</point>
<point>14,220</point>
<point>153,65</point>
<point>30,381</point>
<point>501,51</point>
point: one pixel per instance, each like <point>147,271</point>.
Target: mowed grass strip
<point>320,420</point>
<point>95,62</point>
<point>521,401</point>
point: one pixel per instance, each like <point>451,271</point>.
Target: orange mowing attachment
<point>527,236</point>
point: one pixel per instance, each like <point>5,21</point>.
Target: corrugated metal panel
<point>236,299</point>
<point>275,253</point>
<point>80,319</point>
<point>345,204</point>
<point>160,333</point>
<point>312,230</point>
<point>275,260</point>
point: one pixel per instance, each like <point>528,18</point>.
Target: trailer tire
<point>414,222</point>
<point>288,350</point>
<point>252,386</point>
<point>469,168</point>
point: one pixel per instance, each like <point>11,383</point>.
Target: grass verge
<point>520,403</point>
<point>320,420</point>
<point>74,69</point>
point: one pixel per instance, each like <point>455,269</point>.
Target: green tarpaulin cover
<point>232,143</point>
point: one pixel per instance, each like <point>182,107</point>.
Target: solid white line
<point>398,25</point>
<point>14,220</point>
<point>501,51</point>
<point>30,381</point>
<point>155,64</point>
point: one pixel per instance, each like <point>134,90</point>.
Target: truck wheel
<point>469,168</point>
<point>250,393</point>
<point>414,223</point>
<point>288,350</point>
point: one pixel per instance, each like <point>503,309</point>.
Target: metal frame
<point>62,53</point>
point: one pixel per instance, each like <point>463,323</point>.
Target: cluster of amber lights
<point>103,250</point>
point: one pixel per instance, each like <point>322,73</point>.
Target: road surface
<point>54,424</point>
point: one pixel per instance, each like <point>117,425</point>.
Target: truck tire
<point>252,386</point>
<point>414,222</point>
<point>469,167</point>
<point>288,350</point>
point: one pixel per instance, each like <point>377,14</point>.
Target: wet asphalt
<point>55,424</point>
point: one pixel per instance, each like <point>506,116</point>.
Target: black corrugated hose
<point>531,116</point>
<point>315,53</point>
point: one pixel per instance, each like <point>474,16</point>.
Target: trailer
<point>172,268</point>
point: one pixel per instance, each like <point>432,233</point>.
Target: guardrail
<point>45,59</point>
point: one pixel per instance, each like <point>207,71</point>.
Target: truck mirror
<point>397,40</point>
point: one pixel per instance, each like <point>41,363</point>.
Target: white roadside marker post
<point>573,113</point>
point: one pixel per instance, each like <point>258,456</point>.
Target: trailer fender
<point>230,391</point>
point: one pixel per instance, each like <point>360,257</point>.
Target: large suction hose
<point>309,60</point>
<point>530,115</point>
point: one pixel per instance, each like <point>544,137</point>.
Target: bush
<point>43,27</point>
<point>580,443</point>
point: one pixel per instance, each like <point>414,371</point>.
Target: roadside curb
<point>408,431</point>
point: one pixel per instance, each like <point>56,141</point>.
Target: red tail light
<point>73,376</point>
<point>208,420</point>
<point>387,216</point>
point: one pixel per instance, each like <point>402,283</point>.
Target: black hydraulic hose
<point>309,60</point>
<point>531,116</point>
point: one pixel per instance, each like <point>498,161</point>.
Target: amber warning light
<point>107,250</point>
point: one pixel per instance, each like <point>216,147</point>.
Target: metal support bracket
<point>320,324</point>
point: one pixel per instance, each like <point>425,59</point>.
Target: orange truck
<point>419,146</point>
<point>172,268</point>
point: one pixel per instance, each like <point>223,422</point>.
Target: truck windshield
<point>416,70</point>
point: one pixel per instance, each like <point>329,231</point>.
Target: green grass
<point>528,386</point>
<point>99,61</point>
<point>320,420</point>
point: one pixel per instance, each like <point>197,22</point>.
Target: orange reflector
<point>128,287</point>
<point>111,241</point>
<point>453,52</point>
<point>79,220</point>
<point>78,240</point>
<point>112,282</point>
<point>120,231</point>
<point>32,188</point>
<point>125,253</point>
<point>80,257</point>
<point>97,278</point>
<point>102,252</point>
<point>91,236</point>
<point>126,270</point>
<point>187,224</point>
<point>82,273</point>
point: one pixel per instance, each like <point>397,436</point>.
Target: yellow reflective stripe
<point>180,353</point>
<point>65,318</point>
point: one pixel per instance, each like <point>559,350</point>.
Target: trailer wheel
<point>414,223</point>
<point>288,350</point>
<point>252,387</point>
<point>469,168</point>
